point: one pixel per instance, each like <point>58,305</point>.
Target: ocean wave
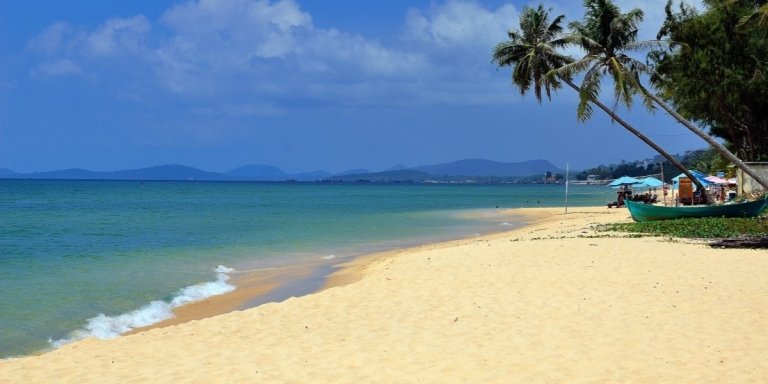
<point>108,327</point>
<point>329,257</point>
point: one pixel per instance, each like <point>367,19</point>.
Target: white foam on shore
<point>108,327</point>
<point>329,257</point>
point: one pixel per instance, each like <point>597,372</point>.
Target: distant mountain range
<point>471,168</point>
<point>479,167</point>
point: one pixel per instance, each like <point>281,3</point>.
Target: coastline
<point>552,301</point>
<point>276,284</point>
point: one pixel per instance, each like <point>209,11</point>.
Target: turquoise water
<point>72,250</point>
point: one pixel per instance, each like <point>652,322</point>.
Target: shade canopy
<point>702,178</point>
<point>625,180</point>
<point>649,182</point>
<point>716,180</point>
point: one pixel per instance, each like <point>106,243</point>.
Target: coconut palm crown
<point>607,36</point>
<point>532,51</point>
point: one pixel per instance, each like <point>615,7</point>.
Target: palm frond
<point>555,28</point>
<point>589,90</point>
<point>514,35</point>
<point>759,17</point>
<point>646,45</point>
<point>633,18</point>
<point>622,81</point>
<point>551,84</point>
<point>568,70</point>
<point>575,25</point>
<point>521,78</point>
<point>584,42</point>
<point>648,101</point>
<point>506,54</point>
<point>559,42</point>
<point>636,66</point>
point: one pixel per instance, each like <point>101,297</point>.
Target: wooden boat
<point>650,212</point>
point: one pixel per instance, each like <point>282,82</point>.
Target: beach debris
<point>741,242</point>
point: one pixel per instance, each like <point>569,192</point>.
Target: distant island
<point>462,171</point>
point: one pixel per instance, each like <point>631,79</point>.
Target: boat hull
<point>647,212</point>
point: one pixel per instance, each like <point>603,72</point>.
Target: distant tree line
<point>703,160</point>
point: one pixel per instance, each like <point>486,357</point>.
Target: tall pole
<point>663,184</point>
<point>566,187</point>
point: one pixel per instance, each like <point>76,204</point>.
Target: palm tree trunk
<point>645,139</point>
<point>711,141</point>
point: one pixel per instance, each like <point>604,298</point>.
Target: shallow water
<point>72,250</point>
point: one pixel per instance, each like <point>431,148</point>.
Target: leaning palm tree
<point>607,36</point>
<point>532,53</point>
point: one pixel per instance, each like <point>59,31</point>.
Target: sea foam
<point>107,327</point>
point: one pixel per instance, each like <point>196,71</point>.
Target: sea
<point>99,258</point>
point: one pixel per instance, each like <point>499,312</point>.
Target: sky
<point>301,85</point>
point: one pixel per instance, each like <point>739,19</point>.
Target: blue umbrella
<point>624,180</point>
<point>649,182</point>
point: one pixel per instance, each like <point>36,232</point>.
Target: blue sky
<point>301,85</point>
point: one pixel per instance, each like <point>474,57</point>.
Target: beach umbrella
<point>716,180</point>
<point>649,182</point>
<point>624,180</point>
<point>698,175</point>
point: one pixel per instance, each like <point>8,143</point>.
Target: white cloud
<point>246,51</point>
<point>459,23</point>
<point>239,29</point>
<point>56,68</point>
<point>341,52</point>
<point>119,36</point>
<point>115,36</point>
<point>52,40</point>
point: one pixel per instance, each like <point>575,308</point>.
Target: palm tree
<point>532,53</point>
<point>759,15</point>
<point>607,36</point>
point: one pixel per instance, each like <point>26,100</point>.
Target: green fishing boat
<point>650,212</point>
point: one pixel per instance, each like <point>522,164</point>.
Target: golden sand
<point>554,302</point>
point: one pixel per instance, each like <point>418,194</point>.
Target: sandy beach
<point>553,302</point>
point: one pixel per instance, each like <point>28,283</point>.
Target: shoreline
<point>283,282</point>
<point>553,301</point>
<point>255,283</point>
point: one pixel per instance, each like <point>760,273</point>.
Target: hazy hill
<point>4,172</point>
<point>479,167</point>
<point>258,172</point>
<point>160,172</point>
<point>165,172</point>
<point>309,176</point>
<point>483,170</point>
<point>71,173</point>
<point>403,175</point>
<point>356,171</point>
